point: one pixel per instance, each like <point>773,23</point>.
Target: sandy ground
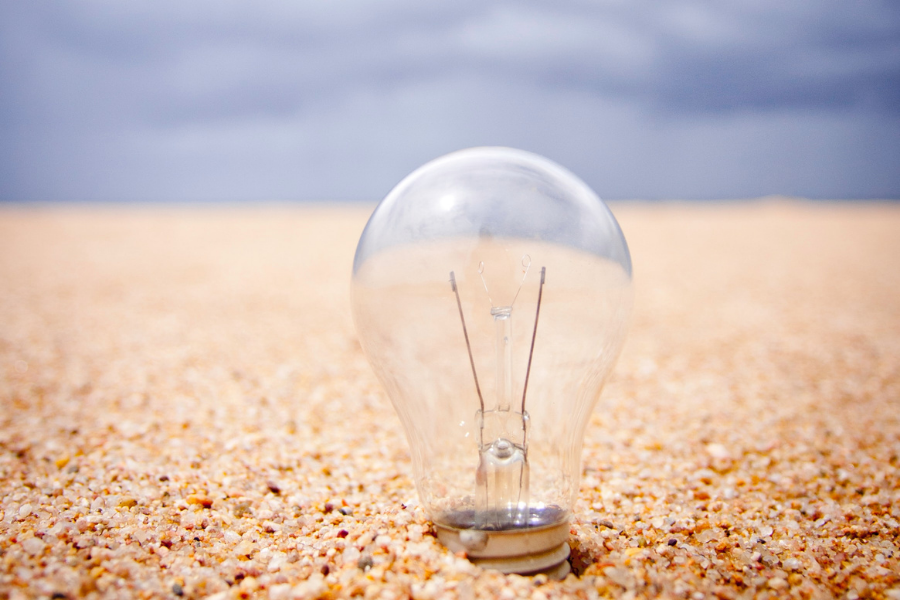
<point>185,411</point>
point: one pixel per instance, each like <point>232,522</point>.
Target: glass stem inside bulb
<point>503,327</point>
<point>503,462</point>
<point>503,483</point>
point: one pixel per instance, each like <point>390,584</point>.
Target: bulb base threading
<point>525,551</point>
<point>552,563</point>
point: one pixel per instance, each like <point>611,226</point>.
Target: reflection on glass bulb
<point>491,291</point>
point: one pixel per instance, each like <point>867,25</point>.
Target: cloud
<point>226,100</point>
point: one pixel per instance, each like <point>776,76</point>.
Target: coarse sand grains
<point>185,412</point>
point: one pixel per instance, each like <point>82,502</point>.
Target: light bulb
<point>491,292</point>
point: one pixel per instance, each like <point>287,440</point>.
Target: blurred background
<point>233,101</point>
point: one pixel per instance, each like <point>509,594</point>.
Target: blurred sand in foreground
<point>184,410</point>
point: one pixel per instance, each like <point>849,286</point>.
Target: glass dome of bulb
<point>491,292</point>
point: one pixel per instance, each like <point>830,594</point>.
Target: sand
<point>185,411</point>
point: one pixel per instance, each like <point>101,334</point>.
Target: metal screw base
<point>526,551</point>
<point>553,564</point>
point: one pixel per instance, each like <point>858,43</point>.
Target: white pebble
<point>141,535</point>
<point>313,587</point>
<point>278,561</point>
<point>426,591</point>
<point>718,451</point>
<point>33,546</point>
<point>350,555</point>
<point>281,591</point>
<point>791,564</point>
<point>245,548</point>
<point>777,583</point>
<point>24,511</point>
<point>414,533</point>
<point>231,537</point>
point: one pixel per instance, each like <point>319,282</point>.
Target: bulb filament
<point>526,264</point>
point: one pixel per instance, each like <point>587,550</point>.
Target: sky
<point>204,101</point>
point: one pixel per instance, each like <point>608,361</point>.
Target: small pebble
<point>365,562</point>
<point>203,501</point>
<point>177,589</point>
<point>718,451</point>
<point>351,555</point>
<point>777,583</point>
<point>34,546</point>
<point>672,541</point>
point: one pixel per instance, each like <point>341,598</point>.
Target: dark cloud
<point>227,100</point>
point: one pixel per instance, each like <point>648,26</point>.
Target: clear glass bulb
<point>491,293</point>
